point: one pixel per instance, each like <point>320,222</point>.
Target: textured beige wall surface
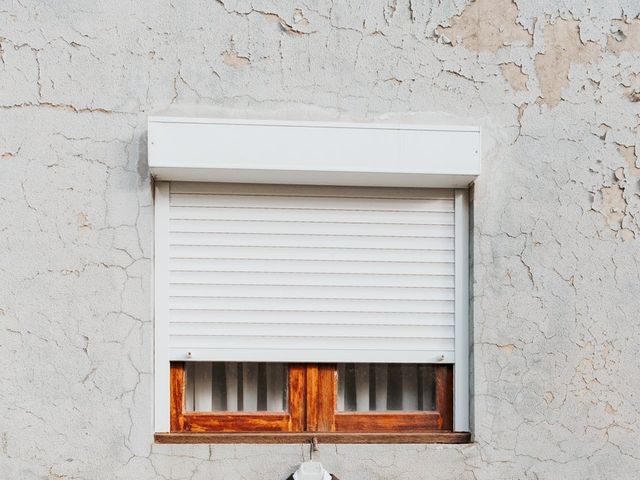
<point>555,84</point>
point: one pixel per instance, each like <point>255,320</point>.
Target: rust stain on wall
<point>487,25</point>
<point>563,48</point>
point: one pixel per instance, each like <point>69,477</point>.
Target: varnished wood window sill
<point>431,437</point>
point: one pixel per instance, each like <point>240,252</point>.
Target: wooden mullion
<point>177,392</point>
<point>327,397</point>
<point>297,397</point>
<point>444,396</point>
<point>321,397</point>
<point>311,397</point>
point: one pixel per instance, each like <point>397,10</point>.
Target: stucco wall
<point>556,86</point>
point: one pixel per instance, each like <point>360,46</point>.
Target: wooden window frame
<point>163,355</point>
<point>312,413</point>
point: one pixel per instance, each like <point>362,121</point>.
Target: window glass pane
<point>379,387</point>
<point>236,387</point>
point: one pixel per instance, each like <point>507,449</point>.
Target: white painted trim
<point>161,308</point>
<point>461,366</point>
<point>312,153</point>
<point>311,177</point>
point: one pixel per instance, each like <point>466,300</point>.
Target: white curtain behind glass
<point>236,386</point>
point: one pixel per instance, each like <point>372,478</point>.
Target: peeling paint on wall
<point>487,25</point>
<point>625,36</point>
<point>563,48</point>
<point>630,156</point>
<point>232,58</point>
<point>613,206</point>
<point>515,76</point>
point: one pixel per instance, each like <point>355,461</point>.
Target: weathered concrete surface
<point>555,84</point>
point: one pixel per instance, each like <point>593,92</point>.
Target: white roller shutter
<point>301,273</point>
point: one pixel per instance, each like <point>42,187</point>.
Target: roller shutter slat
<point>311,304</point>
<point>316,216</point>
<point>310,279</point>
<point>308,191</point>
<point>324,318</point>
<point>310,330</point>
<point>305,253</point>
<point>381,267</point>
<point>308,241</point>
<point>311,291</point>
<point>311,203</point>
<point>311,228</point>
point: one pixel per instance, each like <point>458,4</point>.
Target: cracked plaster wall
<point>556,87</point>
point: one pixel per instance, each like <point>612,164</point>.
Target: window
<point>274,397</point>
<point>289,310</point>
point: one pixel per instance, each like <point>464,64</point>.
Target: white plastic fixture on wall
<point>280,152</point>
<point>357,273</point>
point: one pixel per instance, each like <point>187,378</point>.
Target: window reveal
<point>336,279</point>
